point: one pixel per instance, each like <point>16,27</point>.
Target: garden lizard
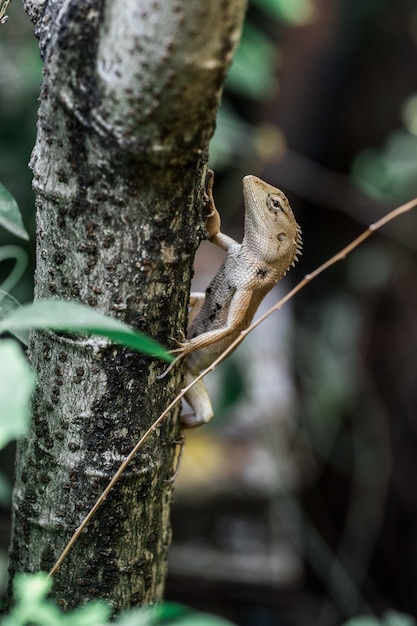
<point>271,243</point>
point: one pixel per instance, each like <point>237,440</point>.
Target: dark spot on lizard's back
<point>261,272</point>
<point>217,307</point>
<point>208,291</point>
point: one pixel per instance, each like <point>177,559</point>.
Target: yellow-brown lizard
<point>271,243</point>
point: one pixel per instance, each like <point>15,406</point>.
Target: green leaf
<point>10,217</point>
<point>169,614</point>
<point>8,304</point>
<point>31,588</point>
<point>21,261</point>
<point>144,616</point>
<point>92,614</point>
<point>67,316</point>
<point>172,611</point>
<point>33,607</point>
<point>17,382</point>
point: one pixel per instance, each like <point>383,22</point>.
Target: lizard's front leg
<point>213,220</point>
<point>236,314</point>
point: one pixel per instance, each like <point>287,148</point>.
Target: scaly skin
<point>271,243</point>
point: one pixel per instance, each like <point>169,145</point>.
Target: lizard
<point>270,246</point>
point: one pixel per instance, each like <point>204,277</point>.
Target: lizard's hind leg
<point>198,398</point>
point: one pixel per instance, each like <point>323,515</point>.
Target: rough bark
<point>128,104</point>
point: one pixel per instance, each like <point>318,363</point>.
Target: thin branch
<point>307,279</point>
<point>3,9</point>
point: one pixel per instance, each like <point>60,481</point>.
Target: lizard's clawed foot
<point>182,340</point>
<point>184,346</point>
<point>180,352</point>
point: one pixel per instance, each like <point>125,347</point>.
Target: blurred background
<point>298,503</point>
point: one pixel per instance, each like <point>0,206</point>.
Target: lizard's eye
<point>275,203</point>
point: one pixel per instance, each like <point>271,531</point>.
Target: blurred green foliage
<point>327,358</point>
<point>253,71</point>
<point>20,78</point>
<point>391,171</point>
<point>252,76</point>
<point>33,608</point>
<point>389,618</point>
<point>291,11</point>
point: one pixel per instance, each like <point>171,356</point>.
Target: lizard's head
<point>270,226</point>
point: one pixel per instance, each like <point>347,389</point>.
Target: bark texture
<point>128,104</point>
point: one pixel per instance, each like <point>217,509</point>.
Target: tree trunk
<point>128,103</point>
